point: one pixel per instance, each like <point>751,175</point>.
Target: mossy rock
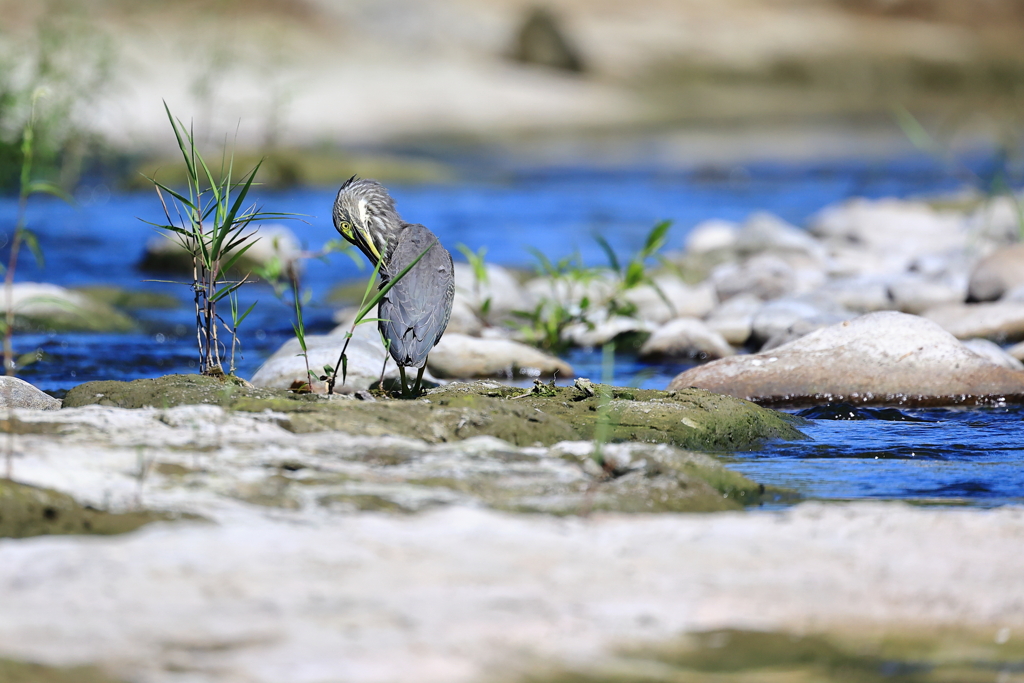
<point>31,511</point>
<point>43,307</point>
<point>12,671</point>
<point>735,656</point>
<point>693,419</point>
<point>163,392</point>
<point>128,300</point>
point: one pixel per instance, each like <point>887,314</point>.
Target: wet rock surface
<point>884,357</point>
<point>33,511</point>
<point>543,415</point>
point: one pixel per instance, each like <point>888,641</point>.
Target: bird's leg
<point>401,370</point>
<point>419,378</point>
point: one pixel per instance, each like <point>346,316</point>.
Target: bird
<point>414,313</point>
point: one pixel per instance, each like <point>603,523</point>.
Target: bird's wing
<point>415,312</point>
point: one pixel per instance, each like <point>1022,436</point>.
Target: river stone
<point>686,300</point>
<point>461,356</point>
<point>993,352</point>
<point>165,254</point>
<point>858,293</point>
<point>598,332</point>
<point>783,316</point>
<point>685,338</point>
<point>999,320</point>
<point>898,229</point>
<point>766,276</point>
<point>45,307</point>
<point>365,353</point>
<point>501,289</point>
<point>764,232</point>
<point>734,318</point>
<point>17,393</point>
<point>884,357</point>
<point>997,273</point>
<point>915,294</point>
<point>997,221</point>
<point>712,235</point>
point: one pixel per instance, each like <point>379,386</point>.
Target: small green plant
<point>476,262</point>
<point>285,282</point>
<point>545,325</point>
<point>635,272</point>
<point>27,186</point>
<point>213,227</point>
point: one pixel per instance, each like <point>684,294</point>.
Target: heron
<point>414,313</point>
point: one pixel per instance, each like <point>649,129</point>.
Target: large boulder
<point>884,357</point>
<point>461,356</point>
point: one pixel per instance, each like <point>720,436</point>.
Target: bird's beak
<point>367,239</point>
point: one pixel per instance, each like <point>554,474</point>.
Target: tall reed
<point>214,229</point>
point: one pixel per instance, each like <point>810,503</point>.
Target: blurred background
<point>396,88</point>
<point>506,125</point>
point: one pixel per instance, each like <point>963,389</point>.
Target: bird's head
<point>365,215</point>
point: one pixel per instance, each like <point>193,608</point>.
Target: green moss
<point>693,419</point>
<point>25,672</point>
<point>31,511</point>
<point>162,392</point>
<point>735,656</point>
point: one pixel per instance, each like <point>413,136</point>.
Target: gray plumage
<point>415,312</point>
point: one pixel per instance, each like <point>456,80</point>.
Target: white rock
<point>17,393</point>
<point>501,289</point>
<point>684,338</point>
<point>861,294</point>
<point>891,225</point>
<point>734,319</point>
<point>795,315</point>
<point>915,294</point>
<point>994,353</point>
<point>879,357</point>
<point>1000,320</point>
<point>765,232</point>
<point>601,331</point>
<point>463,357</point>
<point>767,277</point>
<point>997,221</point>
<point>997,274</point>
<point>687,300</point>
<point>365,353</point>
<point>711,235</point>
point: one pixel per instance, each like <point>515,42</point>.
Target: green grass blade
<point>613,260</point>
<point>656,238</point>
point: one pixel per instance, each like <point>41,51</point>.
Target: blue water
<point>956,455</point>
<point>941,456</point>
